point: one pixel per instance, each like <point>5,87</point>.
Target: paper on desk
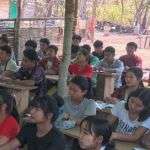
<point>102,105</point>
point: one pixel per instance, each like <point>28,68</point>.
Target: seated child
<point>9,117</point>
<point>130,59</point>
<point>44,44</point>
<point>133,79</point>
<point>111,65</point>
<point>81,67</point>
<point>98,49</point>
<point>51,62</point>
<point>31,44</point>
<point>76,105</point>
<point>93,60</point>
<point>133,116</point>
<point>39,134</point>
<point>30,70</point>
<point>95,134</point>
<point>7,65</point>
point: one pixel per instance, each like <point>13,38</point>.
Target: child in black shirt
<point>39,134</point>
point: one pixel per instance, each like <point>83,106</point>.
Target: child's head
<point>31,44</point>
<point>43,109</point>
<point>131,48</point>
<point>8,104</point>
<point>87,47</point>
<point>5,53</point>
<point>78,87</point>
<point>94,133</point>
<point>52,51</point>
<point>109,53</point>
<point>30,58</point>
<point>83,56</point>
<point>98,45</point>
<point>44,44</point>
<point>3,40</point>
<point>76,39</point>
<point>138,102</point>
<point>133,76</point>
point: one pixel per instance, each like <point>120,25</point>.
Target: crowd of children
<point>45,114</point>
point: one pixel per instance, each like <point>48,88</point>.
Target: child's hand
<point>114,136</point>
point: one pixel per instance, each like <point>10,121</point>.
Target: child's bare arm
<point>12,145</point>
<point>129,137</point>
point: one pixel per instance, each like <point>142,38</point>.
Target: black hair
<point>136,71</point>
<point>100,127</point>
<point>31,43</point>
<point>30,54</point>
<point>4,38</point>
<point>132,44</point>
<point>143,94</point>
<point>53,47</point>
<point>110,49</point>
<point>76,36</point>
<point>9,100</point>
<point>45,40</point>
<point>6,49</point>
<point>85,52</point>
<point>84,84</point>
<point>98,44</point>
<point>48,104</point>
<point>87,47</point>
<point>59,99</point>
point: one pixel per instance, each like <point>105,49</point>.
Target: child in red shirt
<point>9,127</point>
<point>130,59</point>
<point>51,62</point>
<point>81,67</point>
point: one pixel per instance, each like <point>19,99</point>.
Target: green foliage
<point>115,13</point>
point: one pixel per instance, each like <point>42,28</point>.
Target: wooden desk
<point>74,133</point>
<point>105,85</point>
<point>52,77</point>
<point>21,93</point>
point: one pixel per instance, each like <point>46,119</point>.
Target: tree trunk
<point>75,16</point>
<point>63,70</point>
<point>17,28</point>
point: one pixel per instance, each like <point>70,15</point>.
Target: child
<point>98,49</point>
<point>44,44</point>
<point>31,44</point>
<point>81,66</point>
<point>130,59</point>
<point>76,105</point>
<point>75,48</point>
<point>9,118</point>
<point>51,62</point>
<point>111,65</point>
<point>95,134</point>
<point>7,65</point>
<point>39,134</point>
<point>4,40</point>
<point>30,70</point>
<point>93,60</point>
<point>133,116</point>
<point>133,78</point>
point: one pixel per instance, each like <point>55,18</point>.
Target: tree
<point>63,70</point>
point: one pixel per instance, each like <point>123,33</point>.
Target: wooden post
<point>17,27</point>
<point>75,16</point>
<point>105,85</point>
<point>63,69</point>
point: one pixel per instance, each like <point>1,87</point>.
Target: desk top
<point>74,133</point>
<point>16,86</point>
<point>52,77</point>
